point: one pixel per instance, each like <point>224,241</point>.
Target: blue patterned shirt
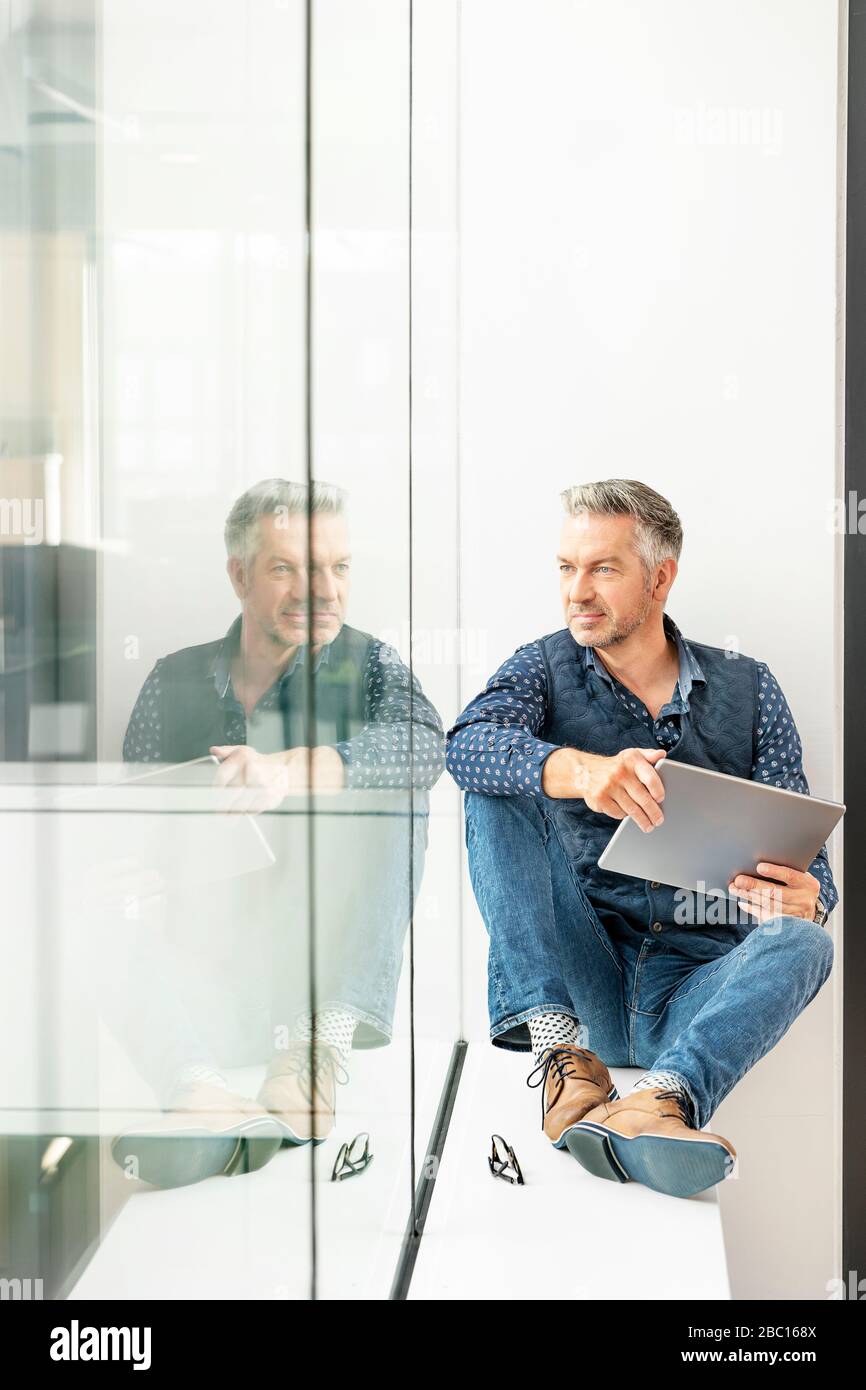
<point>493,747</point>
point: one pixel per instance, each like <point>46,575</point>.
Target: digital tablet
<point>168,816</point>
<point>179,774</point>
<point>716,826</point>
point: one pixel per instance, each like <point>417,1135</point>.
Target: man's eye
<point>565,567</point>
<point>603,567</point>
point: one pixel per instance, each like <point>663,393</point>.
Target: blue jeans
<point>680,1003</point>
<point>230,966</point>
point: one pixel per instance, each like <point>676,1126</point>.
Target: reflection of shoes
<point>574,1080</point>
<point>649,1137</point>
<point>304,1104</point>
<point>208,1131</point>
<point>217,1107</point>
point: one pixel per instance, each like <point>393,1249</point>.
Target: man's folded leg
<point>554,982</point>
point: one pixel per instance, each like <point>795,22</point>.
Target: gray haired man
<point>562,744</point>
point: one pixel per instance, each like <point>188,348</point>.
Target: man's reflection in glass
<point>239,985</point>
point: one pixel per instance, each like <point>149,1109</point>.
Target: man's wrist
<point>326,756</point>
<point>560,773</point>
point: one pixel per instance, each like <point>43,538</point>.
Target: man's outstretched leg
<point>720,1019</point>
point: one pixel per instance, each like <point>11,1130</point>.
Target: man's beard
<point>299,633</point>
<point>623,628</point>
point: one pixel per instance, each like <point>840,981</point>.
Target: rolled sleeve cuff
<point>827,892</point>
<point>534,755</point>
<point>344,749</point>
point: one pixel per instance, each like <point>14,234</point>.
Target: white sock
<point>336,1027</point>
<point>667,1081</point>
<point>553,1030</point>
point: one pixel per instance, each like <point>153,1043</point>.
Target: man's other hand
<point>796,895</point>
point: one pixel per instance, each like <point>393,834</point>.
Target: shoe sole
<point>296,1141</point>
<point>182,1157</point>
<point>290,1138</point>
<point>259,1142</point>
<point>560,1143</point>
<point>677,1167</point>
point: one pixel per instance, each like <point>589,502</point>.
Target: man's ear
<point>236,573</point>
<point>665,576</point>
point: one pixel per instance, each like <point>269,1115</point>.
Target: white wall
<point>647,282</point>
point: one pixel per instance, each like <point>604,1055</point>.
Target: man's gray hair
<point>276,497</point>
<point>658,530</point>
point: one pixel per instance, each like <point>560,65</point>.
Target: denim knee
<point>483,811</point>
<point>824,946</point>
<point>812,938</point>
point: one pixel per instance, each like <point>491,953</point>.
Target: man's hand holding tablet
<point>795,894</point>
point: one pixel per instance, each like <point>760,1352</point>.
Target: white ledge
<point>565,1233</point>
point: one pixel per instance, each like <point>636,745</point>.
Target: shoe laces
<point>683,1111</point>
<point>310,1073</point>
<point>560,1060</point>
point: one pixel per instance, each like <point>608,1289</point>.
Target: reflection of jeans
<point>362,873</point>
<point>229,970</point>
<point>678,1003</point>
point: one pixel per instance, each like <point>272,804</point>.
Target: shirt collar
<point>690,671</point>
<point>221,667</point>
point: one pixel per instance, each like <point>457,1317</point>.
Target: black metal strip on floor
<point>429,1171</point>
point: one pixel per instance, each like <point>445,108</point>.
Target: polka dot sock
<point>192,1075</point>
<point>553,1030</point>
<point>668,1081</point>
<point>336,1027</point>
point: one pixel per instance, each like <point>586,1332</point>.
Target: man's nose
<point>325,586</point>
<point>299,587</point>
<point>581,589</point>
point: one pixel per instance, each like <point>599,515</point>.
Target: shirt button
<point>655,885</point>
<point>657,926</point>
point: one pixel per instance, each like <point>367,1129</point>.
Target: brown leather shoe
<point>649,1137</point>
<point>574,1081</point>
<point>303,1103</point>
